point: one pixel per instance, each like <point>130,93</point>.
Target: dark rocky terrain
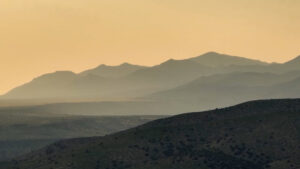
<point>23,132</point>
<point>253,135</point>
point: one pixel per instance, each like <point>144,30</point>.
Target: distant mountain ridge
<point>113,71</point>
<point>230,88</point>
<point>127,73</point>
<point>214,59</point>
<point>128,81</point>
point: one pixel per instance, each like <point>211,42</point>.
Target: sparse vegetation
<point>252,135</point>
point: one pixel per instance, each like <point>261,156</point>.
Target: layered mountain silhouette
<point>259,134</point>
<point>207,81</point>
<point>48,85</point>
<point>253,135</point>
<point>90,85</point>
<point>227,89</point>
<point>113,71</point>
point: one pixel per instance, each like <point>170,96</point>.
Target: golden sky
<point>40,36</point>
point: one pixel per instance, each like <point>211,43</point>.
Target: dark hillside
<point>253,135</point>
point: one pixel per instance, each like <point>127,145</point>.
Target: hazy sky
<point>40,36</point>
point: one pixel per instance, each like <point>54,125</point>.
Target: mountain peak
<point>215,59</point>
<point>216,55</point>
<point>126,64</point>
<point>296,60</point>
<point>211,53</point>
<point>172,62</point>
<point>113,71</point>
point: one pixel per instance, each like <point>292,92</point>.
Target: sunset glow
<point>40,36</point>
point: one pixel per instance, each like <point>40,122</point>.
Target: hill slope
<point>293,64</point>
<point>259,134</point>
<point>22,132</point>
<point>50,85</point>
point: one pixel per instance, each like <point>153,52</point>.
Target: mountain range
<point>124,78</point>
<point>208,81</point>
<point>64,105</point>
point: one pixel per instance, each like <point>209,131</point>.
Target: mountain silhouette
<point>131,82</point>
<point>48,85</point>
<point>113,71</point>
<point>214,59</point>
<point>295,61</point>
<point>221,90</point>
